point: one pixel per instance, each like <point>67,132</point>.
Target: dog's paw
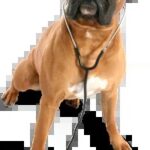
<point>73,103</point>
<point>119,143</point>
<point>10,97</point>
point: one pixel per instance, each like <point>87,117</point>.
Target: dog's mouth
<point>88,9</point>
<point>91,10</point>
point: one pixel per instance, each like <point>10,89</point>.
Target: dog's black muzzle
<point>102,10</point>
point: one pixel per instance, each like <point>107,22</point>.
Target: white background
<point>20,20</point>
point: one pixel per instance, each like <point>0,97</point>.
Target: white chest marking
<point>88,35</point>
<point>94,85</point>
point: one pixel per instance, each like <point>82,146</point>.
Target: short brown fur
<point>52,66</point>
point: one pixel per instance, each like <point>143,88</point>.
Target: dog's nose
<point>89,3</point>
<point>88,7</point>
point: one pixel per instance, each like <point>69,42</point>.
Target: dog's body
<point>53,68</point>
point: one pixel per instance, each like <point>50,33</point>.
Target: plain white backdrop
<point>20,20</point>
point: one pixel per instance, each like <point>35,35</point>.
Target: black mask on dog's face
<point>102,10</point>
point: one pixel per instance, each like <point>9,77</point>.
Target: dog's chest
<point>94,85</point>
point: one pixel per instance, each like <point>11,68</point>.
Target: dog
<point>52,65</point>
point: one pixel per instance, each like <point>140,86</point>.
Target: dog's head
<point>101,10</point>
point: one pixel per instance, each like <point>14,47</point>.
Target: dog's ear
<point>72,8</point>
<point>106,11</point>
<point>119,5</point>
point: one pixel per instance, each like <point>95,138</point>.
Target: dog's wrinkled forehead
<point>104,13</point>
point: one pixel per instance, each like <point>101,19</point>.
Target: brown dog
<point>53,68</point>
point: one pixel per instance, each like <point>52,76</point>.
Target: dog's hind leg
<point>75,103</point>
<point>24,77</point>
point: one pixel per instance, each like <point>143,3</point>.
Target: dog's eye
<point>74,1</point>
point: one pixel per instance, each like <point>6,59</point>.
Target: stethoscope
<point>87,69</point>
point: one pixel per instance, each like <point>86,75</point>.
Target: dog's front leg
<point>109,103</point>
<point>46,115</point>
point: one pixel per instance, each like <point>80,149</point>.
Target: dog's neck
<point>90,38</point>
